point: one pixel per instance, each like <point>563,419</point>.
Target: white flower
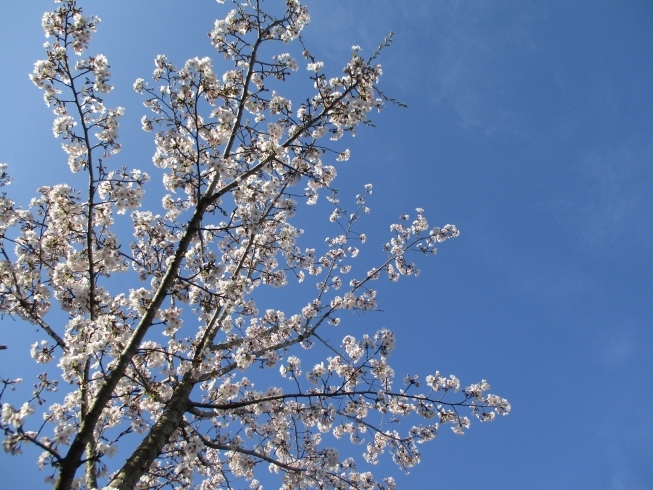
<point>331,457</point>
<point>63,124</point>
<point>386,339</point>
<point>287,60</point>
<point>41,352</point>
<point>316,67</point>
<point>344,156</point>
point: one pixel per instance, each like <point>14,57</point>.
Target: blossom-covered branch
<point>161,365</point>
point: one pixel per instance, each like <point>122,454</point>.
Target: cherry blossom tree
<point>166,362</point>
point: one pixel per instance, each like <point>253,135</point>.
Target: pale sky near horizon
<point>530,126</point>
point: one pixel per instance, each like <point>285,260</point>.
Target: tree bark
<point>150,448</point>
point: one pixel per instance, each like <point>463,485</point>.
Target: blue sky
<point>530,127</point>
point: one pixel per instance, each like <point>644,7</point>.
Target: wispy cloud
<point>610,201</point>
<point>455,64</point>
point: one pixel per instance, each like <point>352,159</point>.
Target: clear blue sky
<point>530,126</point>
